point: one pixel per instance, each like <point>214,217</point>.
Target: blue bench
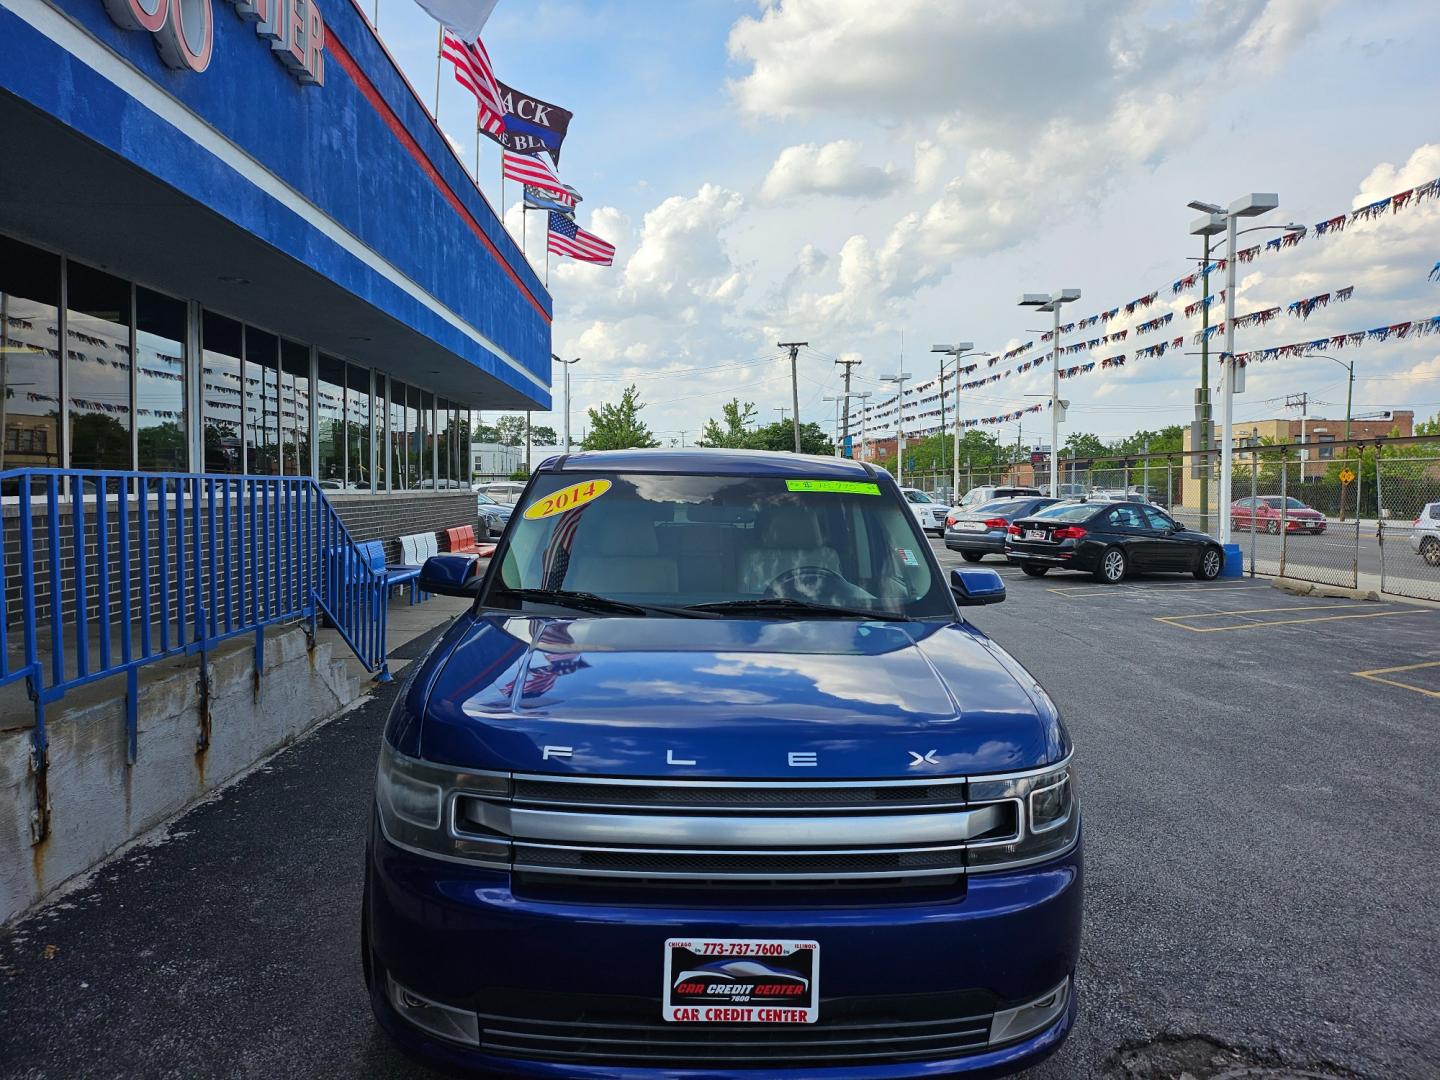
<point>372,557</point>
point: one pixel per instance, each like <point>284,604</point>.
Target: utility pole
<point>795,347</point>
<point>1301,401</point>
<point>864,405</point>
<point>782,411</point>
<point>848,364</point>
<point>956,350</point>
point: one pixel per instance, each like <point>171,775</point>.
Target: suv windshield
<point>749,544</point>
<point>916,496</point>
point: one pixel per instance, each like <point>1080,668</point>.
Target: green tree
<point>618,426</point>
<point>510,430</point>
<point>543,436</point>
<point>1082,445</point>
<point>781,436</point>
<point>1429,427</point>
<point>735,419</point>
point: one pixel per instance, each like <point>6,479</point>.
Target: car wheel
<point>1113,565</point>
<point>972,556</point>
<point>1034,571</point>
<point>1430,550</point>
<point>1273,528</point>
<point>1212,561</point>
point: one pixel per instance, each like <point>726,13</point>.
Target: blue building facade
<point>232,239</point>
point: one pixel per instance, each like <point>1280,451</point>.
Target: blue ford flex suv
<point>714,780</point>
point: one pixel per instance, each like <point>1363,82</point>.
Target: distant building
<point>1320,436</point>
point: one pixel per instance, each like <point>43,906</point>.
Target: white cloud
<point>832,169</point>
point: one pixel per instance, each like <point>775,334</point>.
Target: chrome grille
<point>744,1045</point>
<point>761,832</point>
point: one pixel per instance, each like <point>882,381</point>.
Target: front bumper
<point>577,972</point>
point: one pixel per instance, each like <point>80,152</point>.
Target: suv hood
<point>754,698</point>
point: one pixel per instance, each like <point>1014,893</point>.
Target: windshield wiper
<point>588,601</point>
<point>787,604</point>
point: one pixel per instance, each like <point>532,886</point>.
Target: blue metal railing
<point>125,568</point>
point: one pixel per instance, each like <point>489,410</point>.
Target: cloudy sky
<point>859,174</point>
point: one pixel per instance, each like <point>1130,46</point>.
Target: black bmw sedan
<point>981,531</point>
<point>1110,540</point>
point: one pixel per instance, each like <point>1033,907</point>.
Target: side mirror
<point>1180,526</point>
<point>451,575</point>
<point>977,586</point>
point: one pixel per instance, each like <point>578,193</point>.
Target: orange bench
<point>462,542</point>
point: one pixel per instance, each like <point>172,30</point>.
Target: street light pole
<point>566,368</point>
<point>957,350</point>
<point>899,380</point>
<point>864,398</point>
<point>1052,303</point>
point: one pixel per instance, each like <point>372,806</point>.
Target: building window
<point>222,345</point>
<point>29,357</point>
<point>294,408</point>
<point>357,427</point>
<point>160,323</point>
<point>1327,447</point>
<point>97,352</point>
<point>331,421</point>
<point>442,443</point>
<point>262,402</point>
<point>400,426</point>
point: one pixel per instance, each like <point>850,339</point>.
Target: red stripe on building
<point>387,114</point>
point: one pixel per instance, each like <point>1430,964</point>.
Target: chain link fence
<point>1346,516</point>
<point>1407,526</point>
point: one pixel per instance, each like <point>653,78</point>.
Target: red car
<point>1266,512</point>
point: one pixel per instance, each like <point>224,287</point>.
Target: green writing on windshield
<point>845,487</point>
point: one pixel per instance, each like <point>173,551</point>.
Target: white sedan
<point>929,513</point>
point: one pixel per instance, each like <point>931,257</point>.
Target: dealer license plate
<point>744,981</point>
<point>970,526</point>
<point>1035,534</point>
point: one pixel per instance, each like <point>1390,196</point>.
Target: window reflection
<point>160,382</point>
<point>330,423</point>
<point>399,465</point>
<point>222,346</point>
<point>29,357</point>
<point>357,427</point>
<point>295,407</point>
<point>98,366</point>
<point>262,402</point>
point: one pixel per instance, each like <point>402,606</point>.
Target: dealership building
<point>233,240</point>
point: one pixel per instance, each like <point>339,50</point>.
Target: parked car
<point>492,514</point>
<point>990,492</point>
<point>1065,491</point>
<point>505,492</point>
<point>930,514</point>
<point>1155,496</point>
<point>981,531</point>
<point>1110,540</point>
<point>715,721</point>
<point>1425,538</point>
<point>1265,512</point>
<point>1100,495</point>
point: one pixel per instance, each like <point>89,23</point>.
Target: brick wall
<point>388,517</point>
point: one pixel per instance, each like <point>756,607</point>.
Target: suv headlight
<point>1049,815</point>
<point>416,803</point>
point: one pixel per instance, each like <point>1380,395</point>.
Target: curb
<point>1310,588</point>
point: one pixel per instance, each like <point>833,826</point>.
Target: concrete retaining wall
<point>98,802</point>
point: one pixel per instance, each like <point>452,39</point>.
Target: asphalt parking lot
<point>1257,772</point>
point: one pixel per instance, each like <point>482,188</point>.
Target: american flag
<point>473,71</point>
<point>556,559</point>
<point>535,171</point>
<point>567,238</point>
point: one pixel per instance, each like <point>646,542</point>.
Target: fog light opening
<point>443,1021</point>
<point>1010,1024</point>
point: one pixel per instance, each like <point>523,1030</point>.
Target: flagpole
<point>524,227</point>
<point>439,53</point>
<point>502,187</point>
<point>477,149</point>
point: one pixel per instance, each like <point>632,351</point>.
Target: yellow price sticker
<point>845,487</point>
<point>1346,476</point>
<point>569,498</point>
